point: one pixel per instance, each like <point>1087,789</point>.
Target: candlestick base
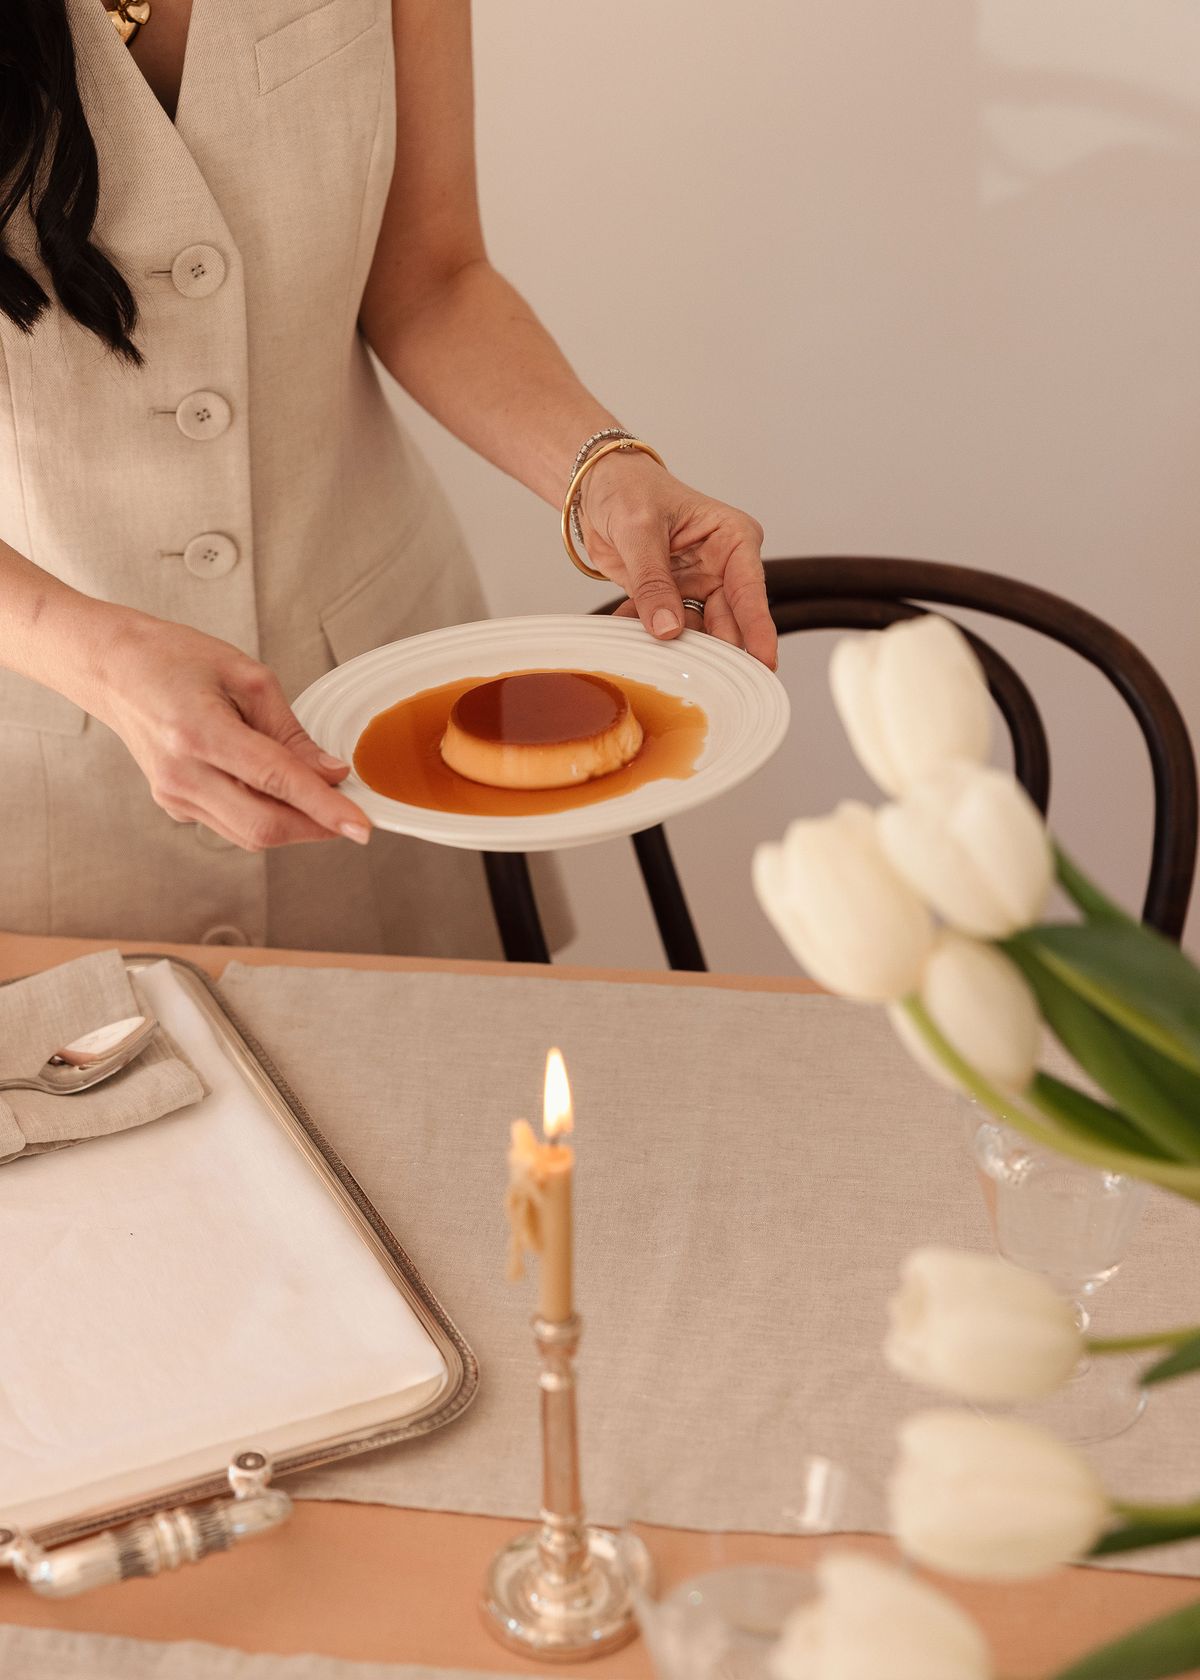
<point>564,1621</point>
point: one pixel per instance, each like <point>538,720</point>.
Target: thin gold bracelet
<point>573,490</point>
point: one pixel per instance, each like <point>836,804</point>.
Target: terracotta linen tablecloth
<point>751,1170</point>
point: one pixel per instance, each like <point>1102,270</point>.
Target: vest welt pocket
<point>28,705</point>
<point>310,40</point>
<point>424,581</point>
<point>380,607</point>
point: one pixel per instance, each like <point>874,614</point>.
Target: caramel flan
<point>541,729</point>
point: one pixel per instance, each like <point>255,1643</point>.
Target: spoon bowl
<point>89,1060</point>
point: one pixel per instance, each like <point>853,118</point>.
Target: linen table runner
<point>752,1167</point>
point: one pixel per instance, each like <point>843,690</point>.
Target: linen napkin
<point>38,1016</point>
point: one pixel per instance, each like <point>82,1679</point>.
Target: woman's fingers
<point>268,767</point>
<point>250,820</point>
<point>277,758</point>
<point>645,548</point>
<point>745,593</point>
<point>719,620</point>
<point>261,701</point>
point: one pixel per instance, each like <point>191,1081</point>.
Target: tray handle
<point>163,1541</point>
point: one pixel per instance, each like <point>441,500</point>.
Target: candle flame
<point>557,1114</point>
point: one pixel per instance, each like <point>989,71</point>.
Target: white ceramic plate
<point>747,709</point>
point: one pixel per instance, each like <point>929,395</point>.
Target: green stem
<point>1182,1180</point>
<point>1134,1344</point>
<point>1182,1513</point>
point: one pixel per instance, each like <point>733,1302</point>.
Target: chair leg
<point>515,907</point>
<point>675,925</point>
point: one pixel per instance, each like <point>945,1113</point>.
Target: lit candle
<point>539,1195</point>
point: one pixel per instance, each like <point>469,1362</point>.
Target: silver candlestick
<point>561,1593</point>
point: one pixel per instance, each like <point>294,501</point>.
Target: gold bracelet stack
<point>571,501</point>
<point>585,449</point>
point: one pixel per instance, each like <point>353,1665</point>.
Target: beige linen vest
<point>249,480</point>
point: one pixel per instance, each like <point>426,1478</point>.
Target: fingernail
<point>358,832</point>
<point>663,622</point>
<point>328,762</point>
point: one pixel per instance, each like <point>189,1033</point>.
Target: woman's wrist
<point>109,638</point>
<point>617,475</point>
<point>50,632</point>
<point>80,644</point>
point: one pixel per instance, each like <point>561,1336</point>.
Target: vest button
<point>199,271</point>
<point>211,555</point>
<point>203,415</point>
<point>224,934</point>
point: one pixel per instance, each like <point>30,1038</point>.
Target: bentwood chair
<point>834,593</point>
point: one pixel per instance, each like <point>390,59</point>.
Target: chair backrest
<point>864,592</point>
<point>869,593</point>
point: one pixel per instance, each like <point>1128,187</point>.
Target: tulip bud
<point>911,698</point>
<point>971,841</point>
<point>992,1498</point>
<point>983,1006</point>
<point>872,1621</point>
<point>841,909</point>
<point>980,1328</point>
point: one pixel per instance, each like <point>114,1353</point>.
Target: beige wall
<point>913,278</point>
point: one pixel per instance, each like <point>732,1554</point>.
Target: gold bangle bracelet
<point>573,490</point>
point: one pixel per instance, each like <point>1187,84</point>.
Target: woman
<point>211,209</point>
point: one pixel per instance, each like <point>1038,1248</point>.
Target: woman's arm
<point>454,333</point>
<point>469,349</point>
<point>208,726</point>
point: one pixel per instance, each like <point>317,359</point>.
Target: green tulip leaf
<point>1131,974</point>
<point>1180,1177</point>
<point>1076,1112</point>
<point>1168,1646</point>
<point>1155,1095</point>
<point>1162,1528</point>
<point>1186,1358</point>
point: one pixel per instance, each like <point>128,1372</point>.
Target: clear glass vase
<point>1072,1224</point>
<point>714,1604</point>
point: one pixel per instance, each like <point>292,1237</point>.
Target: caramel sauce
<point>398,754</point>
<point>540,708</point>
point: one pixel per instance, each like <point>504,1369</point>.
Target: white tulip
<point>992,1498</point>
<point>841,909</point>
<point>911,698</point>
<point>981,1003</point>
<point>874,1622</point>
<point>980,1328</point>
<point>971,841</point>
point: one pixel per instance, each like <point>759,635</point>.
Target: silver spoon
<point>89,1060</point>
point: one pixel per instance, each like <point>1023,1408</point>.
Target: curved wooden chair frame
<point>869,593</point>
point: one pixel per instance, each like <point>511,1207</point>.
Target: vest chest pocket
<point>310,40</point>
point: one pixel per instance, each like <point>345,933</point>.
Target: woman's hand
<point>215,738</point>
<point>659,541</point>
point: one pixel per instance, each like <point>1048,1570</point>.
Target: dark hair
<point>48,161</point>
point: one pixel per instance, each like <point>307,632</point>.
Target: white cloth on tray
<point>173,1293</point>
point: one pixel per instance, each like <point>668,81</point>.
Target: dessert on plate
<point>541,729</point>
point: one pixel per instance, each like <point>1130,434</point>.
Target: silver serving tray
<point>456,1394</point>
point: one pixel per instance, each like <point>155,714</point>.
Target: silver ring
<point>696,606</point>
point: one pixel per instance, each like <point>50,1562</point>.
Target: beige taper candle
<point>539,1196</point>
